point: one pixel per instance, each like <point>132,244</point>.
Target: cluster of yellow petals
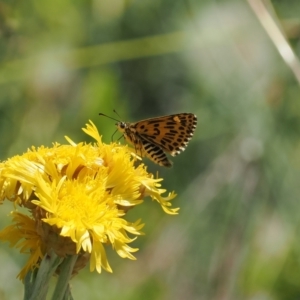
<point>79,193</point>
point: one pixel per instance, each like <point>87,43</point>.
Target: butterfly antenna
<point>117,113</point>
<point>101,114</point>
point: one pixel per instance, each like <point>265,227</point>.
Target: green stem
<point>68,295</point>
<point>37,282</point>
<point>62,289</point>
<point>29,283</point>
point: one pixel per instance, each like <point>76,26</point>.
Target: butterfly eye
<point>121,125</point>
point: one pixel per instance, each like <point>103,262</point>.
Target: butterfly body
<point>155,137</point>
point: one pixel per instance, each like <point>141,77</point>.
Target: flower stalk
<point>37,282</point>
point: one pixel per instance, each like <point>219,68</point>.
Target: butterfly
<point>155,137</point>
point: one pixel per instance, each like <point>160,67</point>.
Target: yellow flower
<point>23,234</point>
<point>77,196</point>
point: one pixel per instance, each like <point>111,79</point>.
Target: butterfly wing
<point>155,153</point>
<point>169,133</point>
<point>153,137</point>
<point>148,149</point>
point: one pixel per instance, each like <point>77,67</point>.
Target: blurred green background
<point>238,182</point>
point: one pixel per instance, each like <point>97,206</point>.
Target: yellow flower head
<point>77,195</point>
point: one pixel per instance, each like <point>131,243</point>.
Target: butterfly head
<point>122,126</point>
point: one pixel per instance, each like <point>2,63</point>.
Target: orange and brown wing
<point>148,149</point>
<point>155,153</point>
<point>170,133</point>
